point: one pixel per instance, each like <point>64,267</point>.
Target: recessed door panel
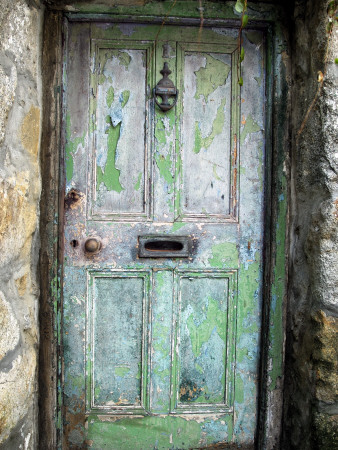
<point>117,339</point>
<point>207,141</point>
<point>120,121</point>
<point>205,302</point>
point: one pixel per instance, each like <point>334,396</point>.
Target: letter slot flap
<point>164,246</point>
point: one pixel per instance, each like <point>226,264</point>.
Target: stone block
<point>18,217</point>
<point>326,431</point>
<point>17,389</point>
<point>9,328</point>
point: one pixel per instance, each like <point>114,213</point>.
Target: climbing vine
<point>241,7</point>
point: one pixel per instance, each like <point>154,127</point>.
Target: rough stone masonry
<point>310,394</point>
<point>311,383</point>
<point>20,112</point>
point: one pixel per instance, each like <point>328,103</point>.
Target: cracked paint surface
<point>71,148</point>
<point>118,107</point>
<point>163,352</point>
<point>206,110</point>
<point>217,127</point>
<point>110,175</point>
<point>211,76</point>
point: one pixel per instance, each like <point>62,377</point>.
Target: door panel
<point>162,352</point>
<point>117,329</point>
<point>202,358</point>
<point>205,131</point>
<point>119,84</point>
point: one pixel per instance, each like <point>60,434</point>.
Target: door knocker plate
<point>165,89</point>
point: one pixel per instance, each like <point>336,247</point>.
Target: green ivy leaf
<point>242,54</point>
<point>336,60</point>
<point>332,8</point>
<point>329,27</point>
<point>240,81</point>
<point>239,7</point>
<point>245,20</point>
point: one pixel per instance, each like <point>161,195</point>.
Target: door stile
<point>234,133</point>
<point>164,138</point>
<point>160,341</point>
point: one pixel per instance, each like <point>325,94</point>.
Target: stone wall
<point>20,111</point>
<point>311,408</point>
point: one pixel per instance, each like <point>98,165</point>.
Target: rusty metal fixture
<point>92,245</point>
<point>164,246</point>
<point>165,89</point>
<point>72,198</point>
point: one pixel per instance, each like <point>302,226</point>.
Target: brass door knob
<point>92,245</point>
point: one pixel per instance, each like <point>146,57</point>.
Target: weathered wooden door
<point>163,237</point>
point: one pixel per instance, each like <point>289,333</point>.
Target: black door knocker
<point>165,89</point>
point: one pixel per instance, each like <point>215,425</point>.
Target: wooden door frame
<point>276,207</point>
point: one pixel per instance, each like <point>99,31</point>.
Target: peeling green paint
<point>177,225</point>
<point>138,182</point>
<point>163,374</point>
<point>164,166</point>
<point>71,148</point>
<point>110,177</point>
<point>172,119</point>
<point>92,107</point>
<point>239,389</point>
<point>125,98</point>
<point>97,391</point>
<point>139,371</point>
<point>217,128</point>
<point>160,343</point>
<point>160,134</point>
<point>101,79</point>
<point>199,368</point>
<point>199,334</point>
<point>158,432</point>
<point>247,287</point>
<point>198,139</point>
<point>75,383</point>
<point>110,96</point>
<point>206,395</point>
<point>161,278</point>
<point>210,77</point>
<point>259,80</point>
<point>215,174</point>
<point>153,432</point>
<point>124,58</point>
<point>224,254</point>
<point>121,371</point>
<point>250,126</point>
